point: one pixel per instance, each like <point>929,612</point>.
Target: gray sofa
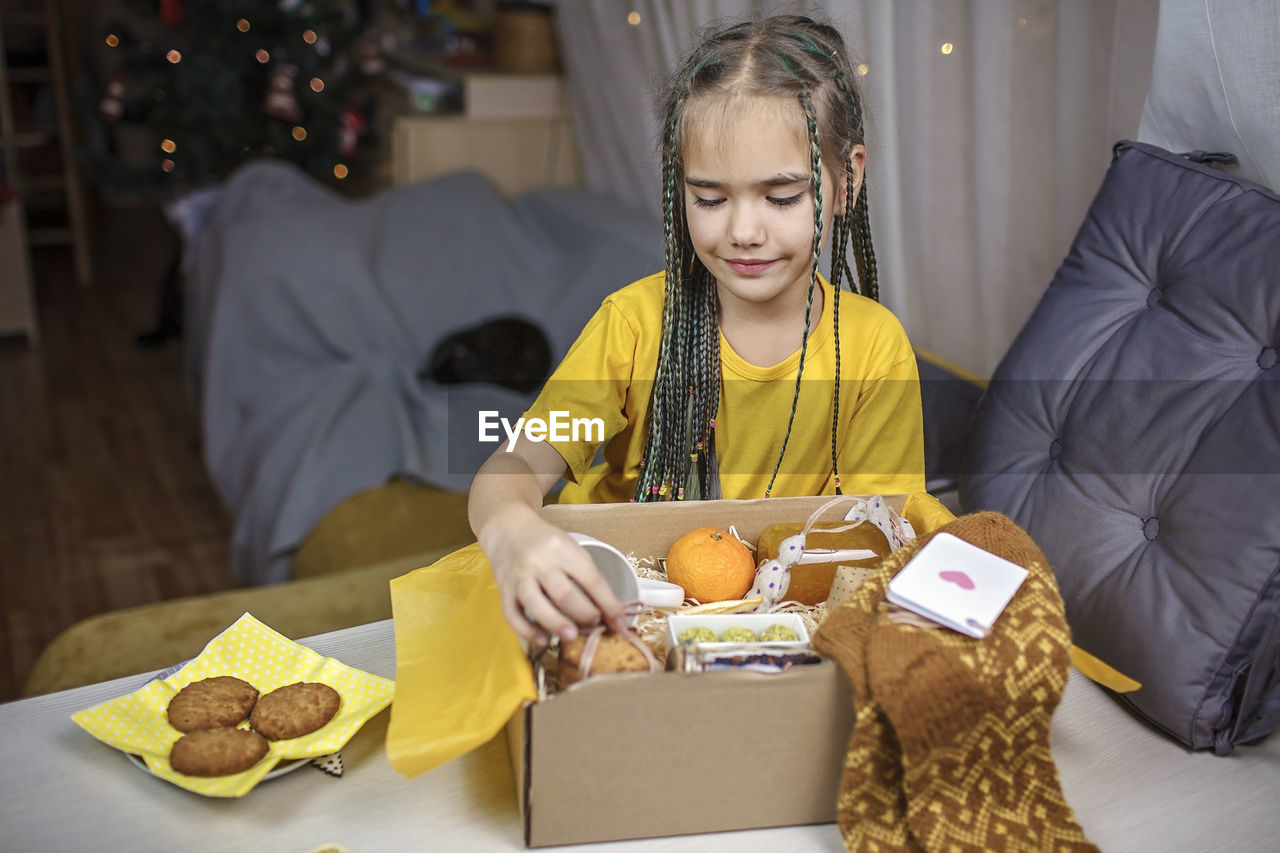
<point>1133,427</point>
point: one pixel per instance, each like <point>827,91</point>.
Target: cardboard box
<point>516,154</point>
<point>644,755</point>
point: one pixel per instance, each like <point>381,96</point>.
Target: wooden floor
<point>104,499</point>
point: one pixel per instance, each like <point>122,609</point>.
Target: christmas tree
<point>215,83</point>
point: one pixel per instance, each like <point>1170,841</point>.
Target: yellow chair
<point>341,574</point>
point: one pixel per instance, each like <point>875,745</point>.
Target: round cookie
<point>217,752</point>
<point>211,703</point>
<point>614,653</point>
<point>294,710</point>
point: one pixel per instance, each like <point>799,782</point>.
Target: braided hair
<point>791,56</point>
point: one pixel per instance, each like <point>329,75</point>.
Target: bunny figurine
<point>774,576</point>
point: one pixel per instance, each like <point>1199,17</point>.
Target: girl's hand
<point>549,584</point>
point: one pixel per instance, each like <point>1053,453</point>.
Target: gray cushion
<point>1133,429</point>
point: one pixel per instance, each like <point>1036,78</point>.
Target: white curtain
<point>1217,83</point>
<point>991,126</point>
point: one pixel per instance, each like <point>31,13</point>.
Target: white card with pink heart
<point>956,584</point>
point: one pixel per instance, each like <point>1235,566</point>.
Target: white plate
<point>287,765</point>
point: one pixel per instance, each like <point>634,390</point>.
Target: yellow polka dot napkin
<point>138,723</point>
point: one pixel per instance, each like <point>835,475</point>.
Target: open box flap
<point>461,672</point>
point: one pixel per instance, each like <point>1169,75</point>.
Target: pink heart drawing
<point>960,579</point>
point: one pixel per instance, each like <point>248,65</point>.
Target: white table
<point>60,789</point>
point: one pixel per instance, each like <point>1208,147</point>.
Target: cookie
<point>217,752</point>
<point>211,703</point>
<point>614,653</point>
<point>294,710</point>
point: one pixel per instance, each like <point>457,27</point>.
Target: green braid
<point>864,255</point>
<point>654,468</point>
<point>815,180</point>
<point>710,363</point>
<point>839,267</point>
<point>807,58</point>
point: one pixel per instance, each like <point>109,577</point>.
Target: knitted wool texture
<point>950,748</point>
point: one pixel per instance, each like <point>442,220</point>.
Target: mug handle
<point>660,593</point>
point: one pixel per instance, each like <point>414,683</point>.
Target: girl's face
<point>749,201</point>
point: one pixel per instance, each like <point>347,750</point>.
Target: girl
<point>718,377</point>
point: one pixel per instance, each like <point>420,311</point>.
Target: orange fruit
<point>711,565</point>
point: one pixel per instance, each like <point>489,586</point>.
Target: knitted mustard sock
<point>871,808</point>
<point>972,716</point>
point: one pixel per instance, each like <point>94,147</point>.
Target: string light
<point>299,133</point>
<point>340,171</point>
<point>864,69</point>
<point>168,146</point>
<point>946,48</point>
<point>309,36</point>
<point>173,56</point>
<point>633,18</point>
<point>113,40</point>
<point>167,165</point>
<point>317,85</point>
<point>242,25</point>
<point>262,56</point>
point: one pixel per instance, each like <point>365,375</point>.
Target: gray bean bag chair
<point>1133,429</point>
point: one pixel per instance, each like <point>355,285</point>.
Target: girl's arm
<point>549,584</point>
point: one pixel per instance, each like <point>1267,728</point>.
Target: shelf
<point>36,70</point>
<point>490,94</point>
<point>32,137</point>
<point>27,19</point>
<point>30,74</point>
<point>49,236</point>
<point>44,183</point>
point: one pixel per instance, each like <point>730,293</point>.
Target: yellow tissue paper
<point>138,723</point>
<point>461,669</point>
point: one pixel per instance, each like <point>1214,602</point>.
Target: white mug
<point>622,578</point>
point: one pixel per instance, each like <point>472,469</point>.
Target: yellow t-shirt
<point>608,375</point>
